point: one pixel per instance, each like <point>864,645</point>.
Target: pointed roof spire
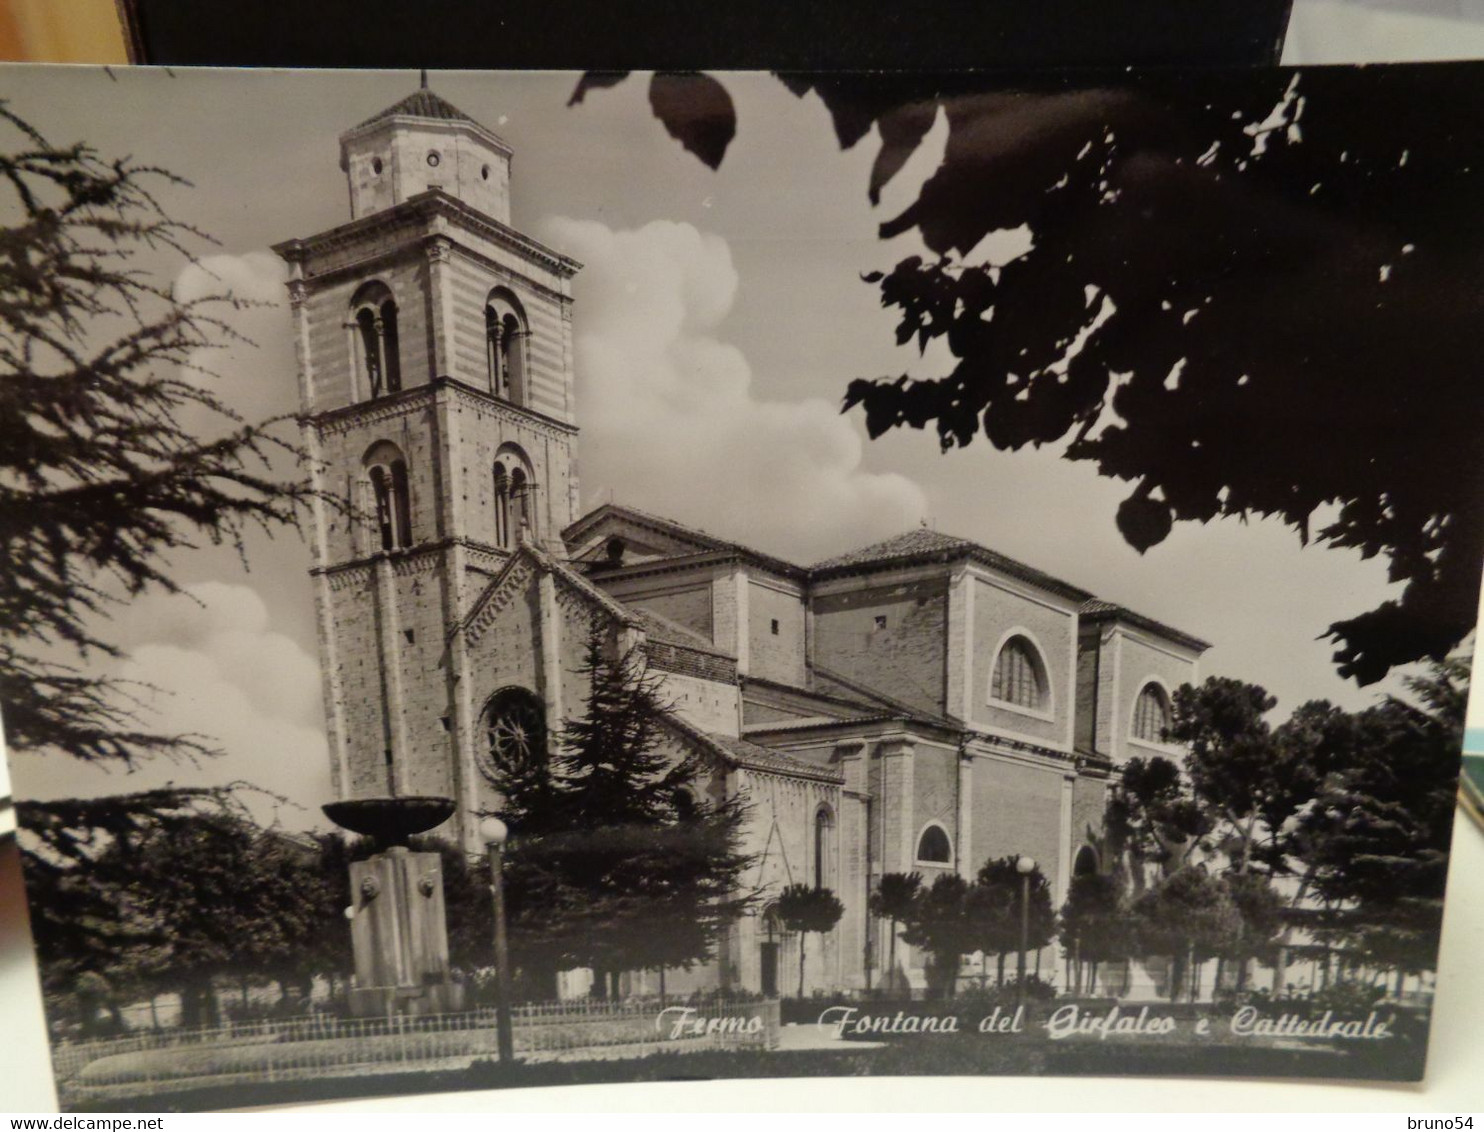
<point>421,103</point>
<point>424,84</point>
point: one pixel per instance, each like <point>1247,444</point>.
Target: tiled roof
<point>1096,610</point>
<point>739,752</point>
<point>919,540</point>
<point>923,545</point>
<point>665,631</point>
<point>703,542</point>
<point>880,698</point>
<point>421,104</point>
<point>754,757</point>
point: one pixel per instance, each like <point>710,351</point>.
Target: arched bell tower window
<point>506,332</point>
<point>515,511</point>
<point>377,348</point>
<point>390,503</point>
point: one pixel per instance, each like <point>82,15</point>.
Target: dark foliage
<point>1236,282</point>
<point>803,908</point>
<point>892,901</point>
<point>620,859</point>
<point>1152,818</point>
<point>170,890</point>
<point>1378,837</point>
<point>99,480</point>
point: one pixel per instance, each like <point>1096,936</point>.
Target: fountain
<point>398,930</point>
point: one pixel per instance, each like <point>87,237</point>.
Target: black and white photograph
<point>551,578</point>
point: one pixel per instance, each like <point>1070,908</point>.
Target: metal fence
<point>325,1045</point>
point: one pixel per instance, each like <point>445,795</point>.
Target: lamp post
<point>494,832</point>
<point>1024,866</point>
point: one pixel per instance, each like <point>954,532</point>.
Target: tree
<point>1187,916</point>
<point>938,922</point>
<point>1218,266</point>
<point>1152,820</point>
<point>1376,840</point>
<point>1260,911</point>
<point>995,905</point>
<point>1094,925</point>
<point>171,889</point>
<point>100,366</point>
<point>803,908</point>
<point>892,901</point>
<point>619,857</point>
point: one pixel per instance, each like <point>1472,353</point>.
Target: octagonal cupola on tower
<point>424,142</point>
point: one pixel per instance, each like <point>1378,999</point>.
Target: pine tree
<point>99,364</point>
<point>619,859</point>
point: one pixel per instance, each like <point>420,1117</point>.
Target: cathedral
<point>922,704</point>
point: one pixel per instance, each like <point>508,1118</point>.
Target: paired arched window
<point>390,502</point>
<point>1151,714</point>
<point>505,334</point>
<point>933,846</point>
<point>377,350</point>
<point>515,511</point>
<point>824,846</point>
<point>1019,675</point>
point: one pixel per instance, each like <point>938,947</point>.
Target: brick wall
<point>1089,803</point>
<point>775,656</point>
<point>1017,809</point>
<point>998,611</point>
<point>935,797</point>
<point>708,704</point>
<point>1138,659</point>
<point>903,653</point>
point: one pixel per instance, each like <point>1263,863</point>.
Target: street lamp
<point>494,832</point>
<point>1024,866</point>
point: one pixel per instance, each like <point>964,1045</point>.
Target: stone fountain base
<point>399,936</point>
<point>398,929</point>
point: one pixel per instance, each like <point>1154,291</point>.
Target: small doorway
<point>770,970</point>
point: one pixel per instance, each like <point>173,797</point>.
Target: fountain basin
<point>390,821</point>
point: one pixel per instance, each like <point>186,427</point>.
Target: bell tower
<point>434,350</point>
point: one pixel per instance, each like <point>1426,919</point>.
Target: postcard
<point>540,578</point>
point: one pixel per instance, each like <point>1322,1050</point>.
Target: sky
<point>718,319</point>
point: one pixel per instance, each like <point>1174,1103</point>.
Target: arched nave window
<point>390,504</point>
<point>377,349</point>
<point>1152,717</point>
<point>1019,675</point>
<point>933,846</point>
<point>824,847</point>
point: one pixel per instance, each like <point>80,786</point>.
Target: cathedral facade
<point>922,704</point>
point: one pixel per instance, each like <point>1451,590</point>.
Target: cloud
<point>253,372</point>
<point>220,671</point>
<point>671,422</point>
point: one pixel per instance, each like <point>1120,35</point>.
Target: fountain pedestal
<point>398,932</point>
